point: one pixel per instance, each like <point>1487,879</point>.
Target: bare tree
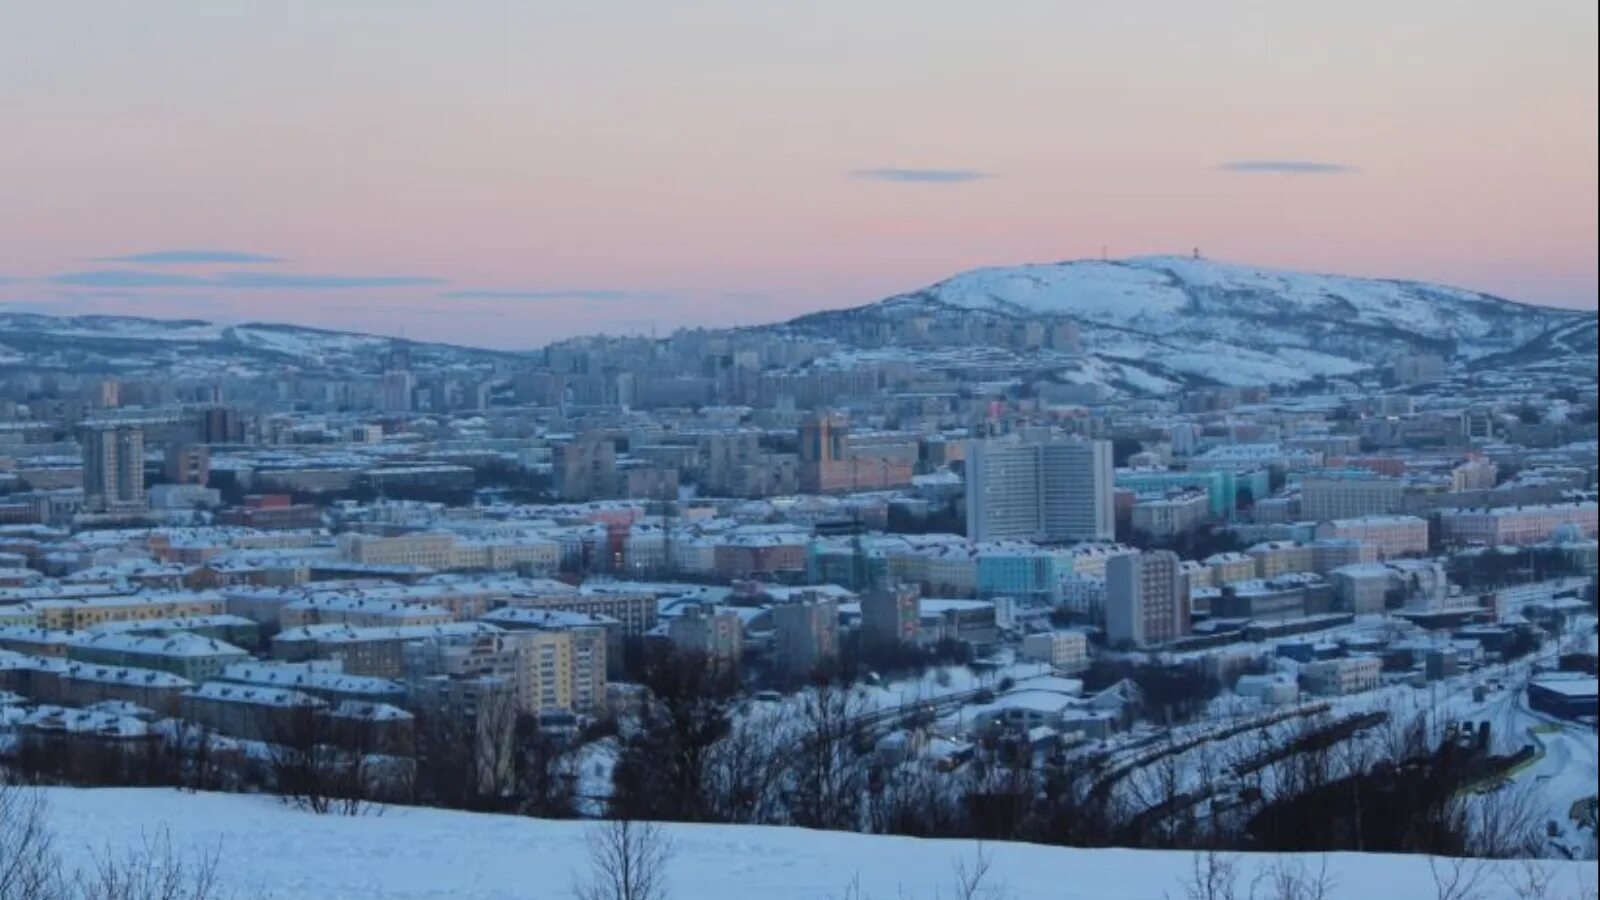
<point>1291,879</point>
<point>1212,876</point>
<point>627,861</point>
<point>747,769</point>
<point>1457,878</point>
<point>915,798</point>
<point>154,871</point>
<point>829,775</point>
<point>973,878</point>
<point>28,864</point>
<point>545,782</point>
<point>1500,824</point>
<point>313,769</point>
<point>30,869</point>
<point>1533,880</point>
<point>666,756</point>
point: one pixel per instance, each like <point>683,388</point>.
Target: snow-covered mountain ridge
<point>1223,322</point>
<point>1146,325</point>
<point>192,347</point>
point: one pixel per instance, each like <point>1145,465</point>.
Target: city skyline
<point>505,176</point>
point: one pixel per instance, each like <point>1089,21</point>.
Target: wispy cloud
<point>132,278</point>
<point>123,278</point>
<point>1287,167</point>
<point>126,303</point>
<point>193,257</point>
<point>289,282</point>
<point>921,176</point>
<point>599,295</point>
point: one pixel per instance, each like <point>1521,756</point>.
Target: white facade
<point>1342,676</point>
<point>1049,490</point>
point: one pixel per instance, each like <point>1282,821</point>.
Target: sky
<point>509,173</point>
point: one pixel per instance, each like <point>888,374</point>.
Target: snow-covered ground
<point>416,853</point>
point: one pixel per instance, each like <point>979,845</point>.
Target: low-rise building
<point>717,634</point>
<point>366,651</point>
<point>1390,536</point>
<point>186,655</point>
<point>1173,513</point>
<point>1065,650</point>
<point>1516,525</point>
<point>1362,588</point>
<point>1346,675</point>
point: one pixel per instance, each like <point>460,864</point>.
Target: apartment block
<point>1050,490</point>
<point>1065,650</point>
<point>1349,496</point>
<point>1517,525</point>
<point>1145,599</point>
<point>1389,536</point>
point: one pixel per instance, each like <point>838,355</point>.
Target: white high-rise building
<point>1047,490</point>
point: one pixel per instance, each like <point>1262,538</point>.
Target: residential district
<point>1005,563</point>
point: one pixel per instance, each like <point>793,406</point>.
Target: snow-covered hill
<point>1149,325</point>
<point>193,348</point>
<point>407,854</point>
<point>1230,323</point>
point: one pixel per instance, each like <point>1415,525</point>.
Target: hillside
<point>1213,321</point>
<point>398,854</point>
<point>1147,325</point>
<point>193,348</point>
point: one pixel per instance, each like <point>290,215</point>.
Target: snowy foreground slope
<point>414,853</point>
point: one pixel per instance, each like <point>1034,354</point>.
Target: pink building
<point>1517,525</point>
<point>1391,536</point>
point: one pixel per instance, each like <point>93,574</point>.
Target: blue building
<point>1022,571</point>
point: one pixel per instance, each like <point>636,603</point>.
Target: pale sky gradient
<point>508,173</point>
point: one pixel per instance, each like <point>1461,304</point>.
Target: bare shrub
<point>28,864</point>
<point>1212,876</point>
<point>153,871</point>
<point>1291,879</point>
<point>1457,878</point>
<point>627,861</point>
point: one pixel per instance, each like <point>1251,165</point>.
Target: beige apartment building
<point>429,549</point>
<point>1389,536</point>
<point>1275,558</point>
<point>446,550</point>
<point>1227,568</point>
<point>77,615</point>
<point>550,670</point>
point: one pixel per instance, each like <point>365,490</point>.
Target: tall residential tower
<point>1052,490</point>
